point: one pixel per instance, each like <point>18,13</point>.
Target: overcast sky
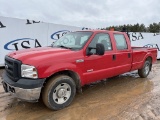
<point>84,13</point>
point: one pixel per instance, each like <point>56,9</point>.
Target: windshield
<point>73,40</point>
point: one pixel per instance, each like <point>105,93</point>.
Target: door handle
<point>114,57</point>
<point>129,55</point>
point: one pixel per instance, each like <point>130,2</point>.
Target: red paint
<point>49,61</point>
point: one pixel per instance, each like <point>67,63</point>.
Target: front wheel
<point>59,92</point>
<point>144,72</point>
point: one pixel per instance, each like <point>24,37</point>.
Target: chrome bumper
<point>31,95</point>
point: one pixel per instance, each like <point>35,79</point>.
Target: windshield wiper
<point>62,46</point>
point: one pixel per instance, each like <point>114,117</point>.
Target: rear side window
<point>120,41</point>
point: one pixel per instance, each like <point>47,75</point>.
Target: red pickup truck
<point>76,59</point>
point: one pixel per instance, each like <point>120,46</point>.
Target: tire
<point>59,92</point>
<point>144,72</point>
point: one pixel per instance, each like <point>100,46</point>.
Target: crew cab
<point>78,58</point>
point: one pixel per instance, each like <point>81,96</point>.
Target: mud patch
<point>125,97</point>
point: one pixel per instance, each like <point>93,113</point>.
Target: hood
<point>36,55</point>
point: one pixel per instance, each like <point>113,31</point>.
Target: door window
<point>101,38</point>
<point>120,41</point>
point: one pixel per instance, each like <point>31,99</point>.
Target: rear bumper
<point>24,89</point>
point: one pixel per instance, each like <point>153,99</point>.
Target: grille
<point>13,68</point>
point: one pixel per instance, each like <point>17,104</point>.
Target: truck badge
<point>6,66</point>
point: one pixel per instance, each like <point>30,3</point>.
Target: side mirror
<point>88,52</point>
<point>100,49</point>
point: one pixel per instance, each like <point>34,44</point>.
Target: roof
<point>96,31</point>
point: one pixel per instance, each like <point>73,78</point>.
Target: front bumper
<point>24,89</point>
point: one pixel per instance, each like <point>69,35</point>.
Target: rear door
<point>123,55</point>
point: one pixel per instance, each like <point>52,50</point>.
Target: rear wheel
<point>143,72</point>
<point>59,92</point>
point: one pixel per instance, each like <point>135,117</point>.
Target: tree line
<point>153,28</point>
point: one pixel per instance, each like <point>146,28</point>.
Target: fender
<point>145,57</point>
<point>50,70</point>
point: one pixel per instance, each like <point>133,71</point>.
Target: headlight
<point>28,71</point>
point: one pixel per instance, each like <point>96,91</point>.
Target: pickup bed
<point>76,59</point>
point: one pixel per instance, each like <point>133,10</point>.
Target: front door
<point>99,67</point>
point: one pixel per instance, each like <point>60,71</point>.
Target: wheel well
<point>150,60</point>
<point>69,73</point>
